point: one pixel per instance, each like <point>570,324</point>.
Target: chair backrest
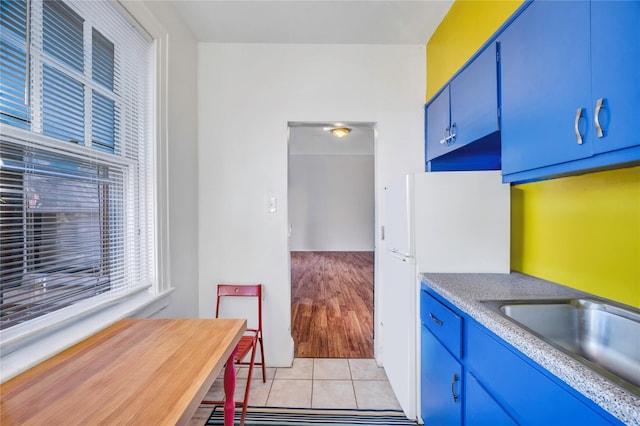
<point>241,290</point>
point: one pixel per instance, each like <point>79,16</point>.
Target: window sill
<point>23,349</point>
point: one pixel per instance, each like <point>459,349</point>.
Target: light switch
<point>273,205</point>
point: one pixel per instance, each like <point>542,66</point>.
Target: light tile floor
<point>312,383</point>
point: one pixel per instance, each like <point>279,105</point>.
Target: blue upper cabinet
<point>438,122</point>
<point>474,99</point>
<point>615,65</point>
<point>545,83</point>
<point>462,120</point>
<point>570,88</point>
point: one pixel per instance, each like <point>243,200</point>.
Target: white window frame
<point>26,345</point>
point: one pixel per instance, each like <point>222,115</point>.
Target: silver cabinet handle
<point>451,138</point>
<point>445,139</point>
<point>596,117</point>
<point>453,382</point>
<point>452,133</point>
<point>576,128</point>
<point>434,319</point>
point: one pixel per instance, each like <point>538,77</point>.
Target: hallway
<point>332,304</point>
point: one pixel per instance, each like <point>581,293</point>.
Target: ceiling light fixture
<point>340,132</point>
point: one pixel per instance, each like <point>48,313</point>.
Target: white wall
<point>331,202</point>
<point>247,95</point>
<point>179,173</point>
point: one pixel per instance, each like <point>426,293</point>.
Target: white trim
<point>161,161</point>
<point>145,19</point>
<point>17,334</point>
<point>49,143</point>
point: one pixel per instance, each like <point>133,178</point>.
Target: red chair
<point>249,342</point>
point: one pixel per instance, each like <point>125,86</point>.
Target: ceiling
<point>313,21</point>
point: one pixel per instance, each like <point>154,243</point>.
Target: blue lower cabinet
<point>486,381</point>
<point>481,408</point>
<point>442,383</point>
<point>530,396</point>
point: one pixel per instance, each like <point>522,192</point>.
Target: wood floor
<point>332,304</point>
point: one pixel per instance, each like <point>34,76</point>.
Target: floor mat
<point>312,416</point>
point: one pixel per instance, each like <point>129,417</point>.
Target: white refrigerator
<point>434,222</point>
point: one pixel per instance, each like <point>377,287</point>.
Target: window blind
<point>14,107</point>
<point>76,157</point>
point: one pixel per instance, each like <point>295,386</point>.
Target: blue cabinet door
<point>474,99</point>
<point>530,395</point>
<point>615,47</point>
<point>467,108</point>
<point>441,383</point>
<point>437,121</point>
<point>545,85</point>
<point>480,407</point>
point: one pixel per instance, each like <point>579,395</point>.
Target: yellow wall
<point>467,25</point>
<point>581,231</point>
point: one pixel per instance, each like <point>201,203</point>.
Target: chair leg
<point>264,372</point>
<point>245,403</point>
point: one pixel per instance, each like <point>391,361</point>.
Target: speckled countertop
<point>465,292</point>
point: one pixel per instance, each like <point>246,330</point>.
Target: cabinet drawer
<point>444,323</point>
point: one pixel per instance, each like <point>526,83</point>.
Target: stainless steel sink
<point>603,336</point>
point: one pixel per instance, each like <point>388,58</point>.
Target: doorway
<point>331,239</point>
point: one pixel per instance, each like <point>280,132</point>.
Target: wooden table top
<point>137,371</point>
